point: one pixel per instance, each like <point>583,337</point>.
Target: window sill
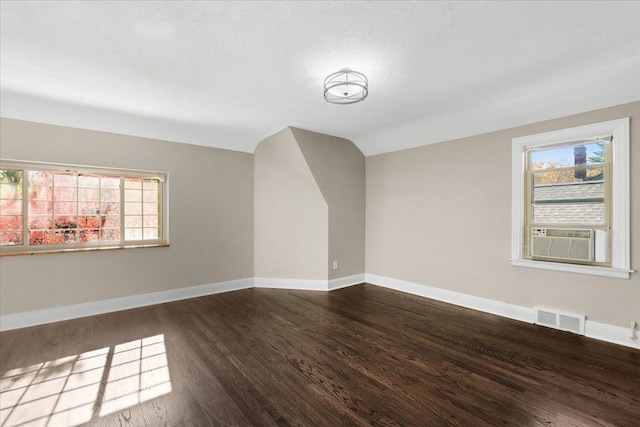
<point>618,273</point>
<point>103,248</point>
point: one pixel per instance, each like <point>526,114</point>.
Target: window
<point>567,212</point>
<point>54,208</point>
<point>571,200</point>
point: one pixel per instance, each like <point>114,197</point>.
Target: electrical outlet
<point>335,265</point>
<point>633,331</point>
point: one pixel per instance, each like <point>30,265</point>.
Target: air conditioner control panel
<point>562,232</point>
<point>538,232</point>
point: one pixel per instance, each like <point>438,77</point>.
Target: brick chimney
<point>580,158</point>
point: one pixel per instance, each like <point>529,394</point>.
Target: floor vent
<point>560,320</point>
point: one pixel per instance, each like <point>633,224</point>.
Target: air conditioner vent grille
<point>569,323</point>
<point>580,249</point>
<point>546,318</point>
<point>563,244</point>
<point>560,320</point>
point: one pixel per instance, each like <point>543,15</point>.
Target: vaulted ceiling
<point>229,74</point>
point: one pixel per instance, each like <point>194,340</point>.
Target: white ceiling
<point>229,74</point>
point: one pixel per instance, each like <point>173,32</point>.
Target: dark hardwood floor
<point>363,355</point>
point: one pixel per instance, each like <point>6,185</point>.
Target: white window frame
<point>26,249</point>
<point>620,196</point>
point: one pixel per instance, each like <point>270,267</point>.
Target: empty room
<point>319,213</point>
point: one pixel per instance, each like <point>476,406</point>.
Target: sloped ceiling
<point>229,74</point>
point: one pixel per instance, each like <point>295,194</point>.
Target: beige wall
<point>440,215</point>
<point>437,215</point>
<point>291,215</point>
<point>309,206</point>
<point>338,167</point>
<point>210,209</point>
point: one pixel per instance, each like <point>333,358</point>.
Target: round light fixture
<point>346,87</point>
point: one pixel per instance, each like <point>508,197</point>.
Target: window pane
<point>150,208</point>
<point>110,235</point>
<point>65,194</point>
<point>112,221</point>
<point>41,237</point>
<point>10,191</point>
<point>87,236</point>
<point>590,153</point>
<point>549,176</point>
<point>110,208</point>
<point>89,181</point>
<point>133,208</point>
<point>89,194</point>
<point>88,208</point>
<point>11,184</point>
<point>10,222</point>
<point>40,178</point>
<point>40,192</point>
<point>65,222</point>
<point>150,233</point>
<point>40,222</point>
<point>133,234</point>
<point>90,222</point>
<point>57,193</point>
<point>10,207</point>
<point>150,184</point>
<point>133,195</point>
<point>109,195</point>
<point>66,236</point>
<point>70,208</point>
<point>110,182</point>
<point>40,208</point>
<point>9,238</point>
<point>133,183</point>
<point>587,213</point>
<point>40,188</point>
<point>151,221</point>
<point>65,179</point>
<point>132,221</point>
<point>151,196</point>
<point>11,176</point>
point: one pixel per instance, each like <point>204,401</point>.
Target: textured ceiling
<point>229,74</point>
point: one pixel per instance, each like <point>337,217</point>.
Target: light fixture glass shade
<point>346,87</point>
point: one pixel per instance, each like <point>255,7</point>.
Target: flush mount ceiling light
<point>346,87</point>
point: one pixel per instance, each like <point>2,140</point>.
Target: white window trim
<point>123,244</point>
<point>620,203</point>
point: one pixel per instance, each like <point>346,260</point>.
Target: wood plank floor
<point>363,355</point>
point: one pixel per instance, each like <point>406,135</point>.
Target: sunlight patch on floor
<point>76,389</point>
<point>139,372</point>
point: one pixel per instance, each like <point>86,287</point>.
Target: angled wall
<point>309,201</point>
<point>338,167</point>
<point>290,214</point>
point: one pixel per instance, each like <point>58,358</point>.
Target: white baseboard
<point>486,305</point>
<point>596,330</point>
<point>612,334</point>
<point>308,285</point>
<point>601,331</point>
<point>57,314</point>
<point>343,282</point>
<point>297,284</point>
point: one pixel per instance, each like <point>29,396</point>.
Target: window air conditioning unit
<point>569,244</point>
